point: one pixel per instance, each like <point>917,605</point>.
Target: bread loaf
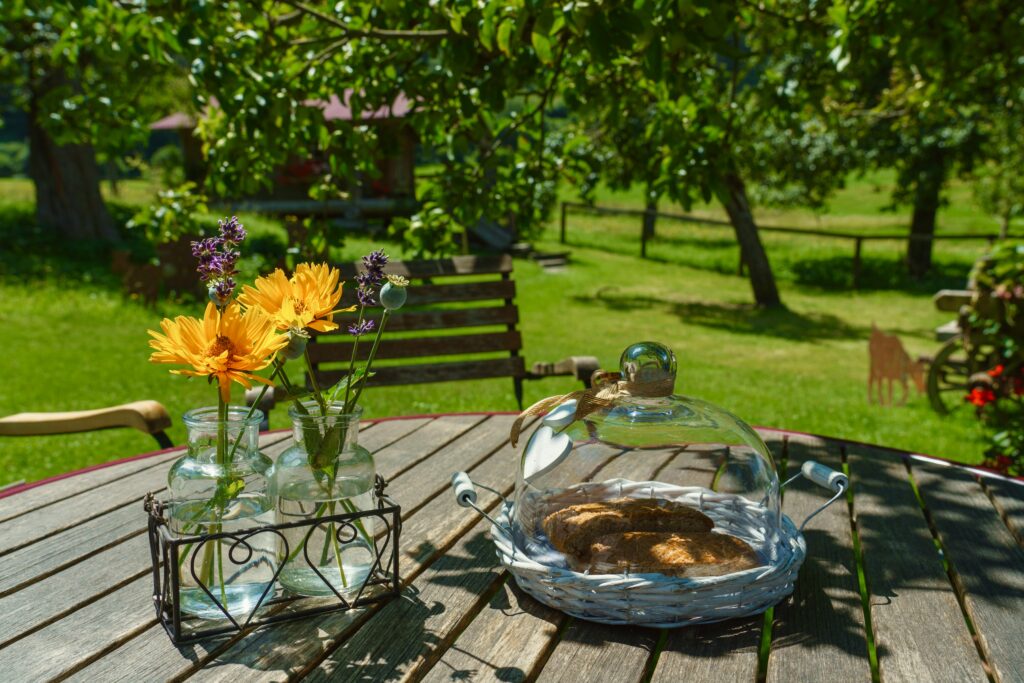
<point>573,529</point>
<point>669,553</point>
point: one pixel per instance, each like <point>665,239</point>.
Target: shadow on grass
<point>877,273</point>
<point>740,318</point>
<point>32,254</point>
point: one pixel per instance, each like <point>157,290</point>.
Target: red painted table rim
<point>974,469</point>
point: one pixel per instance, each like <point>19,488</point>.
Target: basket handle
<point>825,477</point>
<point>465,494</point>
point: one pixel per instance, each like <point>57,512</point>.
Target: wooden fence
<point>857,239</point>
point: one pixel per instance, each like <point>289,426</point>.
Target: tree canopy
<point>737,101</point>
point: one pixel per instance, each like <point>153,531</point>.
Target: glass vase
<point>220,486</point>
<point>325,472</point>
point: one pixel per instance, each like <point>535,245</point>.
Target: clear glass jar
<point>220,486</point>
<point>326,472</point>
<point>633,473</point>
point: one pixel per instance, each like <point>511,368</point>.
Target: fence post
<point>857,242</point>
<point>562,231</point>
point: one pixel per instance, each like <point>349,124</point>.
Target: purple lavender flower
<point>365,297</point>
<point>359,329</point>
<point>218,260</point>
<point>374,263</point>
<point>225,288</point>
<point>204,249</point>
<point>231,230</point>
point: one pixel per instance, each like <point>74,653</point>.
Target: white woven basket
<point>655,599</point>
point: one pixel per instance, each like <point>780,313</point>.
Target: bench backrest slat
<point>459,295</point>
<point>438,372</point>
<point>420,347</point>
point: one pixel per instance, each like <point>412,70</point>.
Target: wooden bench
<point>950,300</point>
<point>459,306</point>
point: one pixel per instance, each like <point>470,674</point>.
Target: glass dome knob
<point>647,362</point>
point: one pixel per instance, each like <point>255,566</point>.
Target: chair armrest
<point>951,300</point>
<point>581,367</point>
<point>149,417</point>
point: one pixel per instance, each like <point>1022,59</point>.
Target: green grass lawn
<point>72,341</point>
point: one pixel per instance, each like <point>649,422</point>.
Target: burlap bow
<point>607,388</point>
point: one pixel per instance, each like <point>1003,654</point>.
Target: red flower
<point>1000,463</point>
<point>996,371</point>
<point>1018,386</point>
<point>980,397</point>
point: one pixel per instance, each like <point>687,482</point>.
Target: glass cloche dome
<point>632,478</point>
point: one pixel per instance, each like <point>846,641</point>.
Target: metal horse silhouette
<point>890,362</point>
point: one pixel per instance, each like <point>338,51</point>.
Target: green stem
<point>222,430</point>
<point>316,385</point>
<point>352,360</point>
<point>220,570</point>
<point>369,361</point>
<point>252,410</point>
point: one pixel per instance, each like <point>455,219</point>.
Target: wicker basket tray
<point>658,600</point>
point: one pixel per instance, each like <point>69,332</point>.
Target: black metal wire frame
<point>165,552</point>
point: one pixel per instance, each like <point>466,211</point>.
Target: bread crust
<point>573,529</point>
<point>670,553</point>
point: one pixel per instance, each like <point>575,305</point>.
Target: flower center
<point>219,346</point>
<point>299,306</point>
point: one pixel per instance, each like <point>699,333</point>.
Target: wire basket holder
<point>275,604</point>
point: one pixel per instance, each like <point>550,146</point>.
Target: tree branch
<point>384,34</point>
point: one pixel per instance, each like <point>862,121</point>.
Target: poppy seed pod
<point>297,340</point>
<point>392,297</point>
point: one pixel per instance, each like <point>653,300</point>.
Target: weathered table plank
<point>985,559</point>
<point>503,647</point>
<point>403,635</point>
<point>594,652</point>
<point>1008,497</point>
<point>726,651</point>
<point>27,529</point>
<point>52,492</point>
<point>821,627</point>
<point>919,629</point>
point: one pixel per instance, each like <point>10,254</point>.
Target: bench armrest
<point>951,300</point>
<point>149,417</point>
<point>580,367</point>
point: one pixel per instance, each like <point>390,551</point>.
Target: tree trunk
<point>762,281</point>
<point>650,217</point>
<point>930,178</point>
<point>1004,225</point>
<point>67,183</point>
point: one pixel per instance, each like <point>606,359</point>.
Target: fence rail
<point>857,239</point>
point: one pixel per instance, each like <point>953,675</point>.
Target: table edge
<point>14,490</point>
<point>976,469</point>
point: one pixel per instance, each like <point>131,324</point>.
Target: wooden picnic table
<point>894,584</point>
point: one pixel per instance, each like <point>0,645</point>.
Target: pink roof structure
<point>335,109</point>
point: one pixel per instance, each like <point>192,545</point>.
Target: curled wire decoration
<point>169,552</point>
<point>341,527</point>
<point>313,565</point>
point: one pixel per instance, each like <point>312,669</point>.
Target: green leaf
<point>504,35</point>
<point>542,45</point>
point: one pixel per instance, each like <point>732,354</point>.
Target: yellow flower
<point>307,300</point>
<point>229,345</point>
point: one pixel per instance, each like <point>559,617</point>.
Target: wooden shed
<point>391,193</point>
